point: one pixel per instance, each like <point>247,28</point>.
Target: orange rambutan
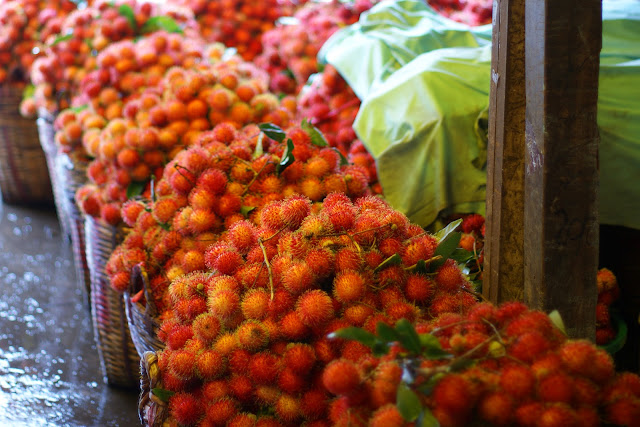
<point>529,413</point>
<point>449,277</point>
<point>292,327</point>
<point>291,382</point>
<point>241,387</point>
<point>223,304</point>
<point>210,364</point>
<point>496,408</point>
<point>264,368</point>
<point>314,403</point>
<point>517,381</point>
<point>529,346</point>
<point>314,308</point>
<point>349,286</point>
<point>179,335</point>
<point>255,304</point>
<point>300,358</point>
<point>252,335</point>
<point>219,412</point>
<point>341,377</point>
<point>454,392</point>
<point>185,408</point>
<point>181,364</point>
<point>287,408</point>
<point>387,416</point>
<point>557,416</point>
<point>357,314</point>
<point>298,278</point>
<point>557,387</point>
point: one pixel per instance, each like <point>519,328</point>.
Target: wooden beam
<point>504,252</point>
<point>562,48</point>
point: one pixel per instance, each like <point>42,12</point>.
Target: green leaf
<point>135,188</point>
<point>461,256</point>
<point>287,157</point>
<point>245,210</point>
<point>259,147</point>
<point>408,337</point>
<point>445,249</point>
<point>392,260</point>
<point>162,394</point>
<point>79,108</point>
<point>380,348</point>
<point>428,387</point>
<point>126,11</point>
<point>62,38</point>
<point>356,334</point>
<point>28,91</point>
<point>426,419</point>
<point>387,333</point>
<point>431,347</point>
<point>317,138</point>
<point>442,234</point>
<point>343,159</point>
<point>272,131</point>
<point>461,364</point>
<point>165,23</point>
<point>408,403</point>
<point>287,72</point>
<point>557,321</point>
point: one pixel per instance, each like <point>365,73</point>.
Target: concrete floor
<point>49,367</point>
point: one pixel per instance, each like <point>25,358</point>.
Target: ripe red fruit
<point>577,356</point>
<point>529,346</point>
<point>528,414</point>
<point>496,408</point>
<point>453,393</point>
<point>558,416</point>
<point>243,235</point>
<point>228,262</point>
<point>218,413</point>
<point>263,368</point>
<point>449,277</point>
<point>313,404</point>
<point>206,327</point>
<point>130,211</point>
<point>290,382</point>
<point>178,336</point>
<point>210,364</point>
<point>181,364</point>
<point>517,381</point>
<point>349,286</point>
<point>387,416</point>
<point>252,335</point>
<point>294,210</point>
<point>341,377</point>
<point>288,408</point>
<point>255,304</point>
<point>241,387</point>
<point>298,278</point>
<point>300,358</point>
<point>314,308</point>
<point>625,411</point>
<point>419,288</point>
<point>556,387</point>
<point>185,408</point>
<point>292,327</point>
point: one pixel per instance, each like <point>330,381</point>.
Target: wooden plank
<point>504,252</point>
<point>562,47</point>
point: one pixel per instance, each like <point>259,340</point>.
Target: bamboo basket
<point>46,134</point>
<point>72,174</point>
<point>24,179</point>
<point>118,356</point>
<point>152,410</point>
<point>142,319</point>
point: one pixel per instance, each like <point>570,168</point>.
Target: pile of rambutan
<point>498,366</point>
<point>608,293</point>
<point>290,49</point>
<point>247,339</point>
<point>224,179</point>
<point>156,126</point>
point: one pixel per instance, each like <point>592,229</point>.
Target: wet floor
<point>49,366</point>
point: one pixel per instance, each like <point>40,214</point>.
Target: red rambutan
<point>185,408</point>
<point>314,308</point>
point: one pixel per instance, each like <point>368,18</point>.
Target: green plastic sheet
<point>424,85</point>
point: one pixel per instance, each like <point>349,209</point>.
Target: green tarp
<point>424,85</point>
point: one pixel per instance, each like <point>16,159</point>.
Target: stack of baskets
<point>142,318</point>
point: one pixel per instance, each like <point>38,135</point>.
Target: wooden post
<point>504,254</point>
<point>562,52</point>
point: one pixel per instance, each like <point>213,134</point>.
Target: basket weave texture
<point>24,177</point>
<point>152,410</point>
<point>142,319</point>
<point>72,174</point>
<point>46,135</point>
<point>118,356</point>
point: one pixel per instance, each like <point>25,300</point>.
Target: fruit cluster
<point>249,337</point>
<point>239,23</point>
<point>165,119</point>
<point>23,23</point>
<point>290,49</point>
<point>208,188</point>
<point>72,53</point>
<point>470,12</point>
<point>498,366</point>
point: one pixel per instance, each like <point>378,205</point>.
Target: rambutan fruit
<point>587,417</point>
<point>585,392</point>
<point>354,351</point>
<point>510,310</point>
<point>496,408</point>
<point>199,221</point>
<point>267,394</point>
<point>227,205</point>
<point>341,377</point>
<point>391,246</point>
<point>385,384</point>
<point>449,277</point>
<point>298,278</point>
<point>252,335</point>
<point>557,416</point>
<point>357,314</point>
<point>292,327</point>
<point>181,364</point>
<point>263,368</point>
<point>120,281</point>
<point>241,387</point>
<point>517,381</point>
<point>215,390</point>
<point>271,216</point>
<point>228,262</point>
<point>312,188</point>
<point>602,367</point>
<point>314,403</point>
<point>255,304</point>
<point>577,356</point>
<point>130,211</point>
<point>213,180</point>
<point>454,393</point>
<point>320,261</point>
<point>192,261</point>
<point>528,414</point>
<point>419,288</point>
<point>530,321</point>
<point>291,382</point>
<point>349,286</point>
<point>471,223</point>
<point>178,336</point>
<point>287,408</point>
<point>402,310</point>
<point>314,308</point>
<point>264,421</point>
<point>624,411</point>
<point>348,259</point>
<point>604,335</point>
<point>219,412</point>
<point>185,408</point>
<point>206,327</point>
<point>419,248</point>
<point>557,387</point>
<point>210,364</point>
<point>243,235</point>
<point>393,275</point>
<point>294,210</point>
<point>387,416</point>
<point>529,346</point>
<point>242,420</point>
<point>223,304</point>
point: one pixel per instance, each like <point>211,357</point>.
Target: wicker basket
<point>46,134</point>
<point>142,319</point>
<point>24,179</point>
<point>152,410</point>
<point>118,356</point>
<point>72,174</point>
